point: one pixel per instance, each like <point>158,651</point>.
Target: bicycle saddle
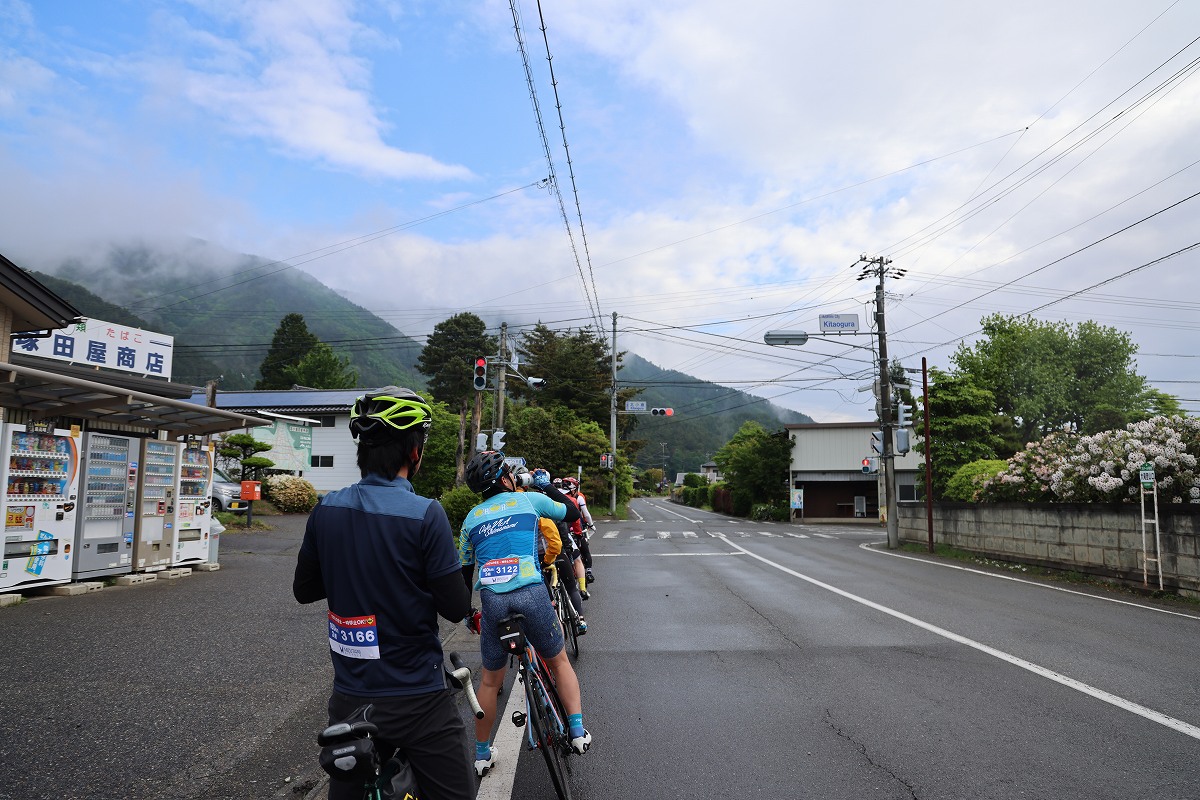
<point>355,726</point>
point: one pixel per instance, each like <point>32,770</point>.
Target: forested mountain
<point>223,308</point>
<point>706,415</point>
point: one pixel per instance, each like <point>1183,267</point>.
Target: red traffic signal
<point>662,412</point>
<point>480,374</point>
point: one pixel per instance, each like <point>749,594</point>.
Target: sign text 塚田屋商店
<point>104,344</point>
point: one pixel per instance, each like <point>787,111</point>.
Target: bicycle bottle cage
<point>512,638</point>
<point>349,753</point>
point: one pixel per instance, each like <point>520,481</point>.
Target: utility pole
<point>664,454</point>
<point>502,362</point>
<point>880,267</point>
<point>612,420</point>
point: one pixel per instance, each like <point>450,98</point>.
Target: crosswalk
<point>663,535</point>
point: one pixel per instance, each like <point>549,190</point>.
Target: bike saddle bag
<point>512,638</point>
<point>352,761</point>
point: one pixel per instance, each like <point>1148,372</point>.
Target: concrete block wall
<point>1105,541</point>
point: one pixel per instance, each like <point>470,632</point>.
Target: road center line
<point>1112,699</point>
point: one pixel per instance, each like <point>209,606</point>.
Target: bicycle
<point>568,615</point>
<point>348,751</point>
<point>545,717</point>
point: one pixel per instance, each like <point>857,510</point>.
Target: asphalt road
<point>725,658</point>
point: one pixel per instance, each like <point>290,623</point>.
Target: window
<point>327,421</point>
<point>320,461</point>
<point>906,492</point>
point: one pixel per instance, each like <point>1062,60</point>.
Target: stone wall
<point>1100,540</point>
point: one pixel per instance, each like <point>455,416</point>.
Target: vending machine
<point>158,488</point>
<point>40,481</point>
<point>193,508</point>
<point>105,528</point>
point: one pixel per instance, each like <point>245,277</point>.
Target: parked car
<point>227,494</point>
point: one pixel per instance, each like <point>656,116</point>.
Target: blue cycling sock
<point>483,751</point>
<point>575,722</point>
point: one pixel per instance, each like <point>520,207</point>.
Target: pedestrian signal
<point>498,440</point>
<point>480,374</point>
<point>662,412</point>
<point>877,441</point>
<point>870,465</point>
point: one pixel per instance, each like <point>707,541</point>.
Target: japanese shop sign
<point>104,344</point>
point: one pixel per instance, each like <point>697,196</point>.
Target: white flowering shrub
<point>290,493</point>
<point>1103,467</point>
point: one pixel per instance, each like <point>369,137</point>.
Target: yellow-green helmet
<point>384,413</point>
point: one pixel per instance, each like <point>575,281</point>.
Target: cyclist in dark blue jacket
<point>384,558</point>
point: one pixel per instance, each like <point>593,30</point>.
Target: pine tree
<point>292,341</point>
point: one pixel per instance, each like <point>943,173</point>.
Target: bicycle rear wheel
<point>549,730</point>
<point>570,620</point>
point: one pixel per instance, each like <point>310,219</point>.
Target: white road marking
<point>797,535</point>
<point>867,546</point>
<point>681,516</point>
<point>635,536</point>
<point>825,535</point>
<point>635,513</point>
<point>662,555</point>
<point>689,534</point>
<point>611,534</point>
<point>1079,686</point>
<point>664,534</point>
<point>768,533</point>
<point>498,783</point>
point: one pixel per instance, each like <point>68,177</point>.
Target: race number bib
<point>354,637</point>
<point>499,570</point>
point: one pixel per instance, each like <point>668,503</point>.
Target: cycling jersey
<point>501,535</point>
<point>374,549</point>
<point>585,515</point>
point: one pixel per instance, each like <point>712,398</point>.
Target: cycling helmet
<point>485,469</point>
<point>570,485</point>
<point>382,414</point>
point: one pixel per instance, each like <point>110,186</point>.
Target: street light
<point>785,338</point>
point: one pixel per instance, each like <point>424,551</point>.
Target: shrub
<point>1104,467</point>
<point>693,481</point>
<point>695,496</point>
<point>719,500</point>
<point>290,494</point>
<point>741,502</point>
<point>965,485</point>
<point>769,512</point>
<point>458,502</point>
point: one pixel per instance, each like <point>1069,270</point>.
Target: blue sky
<point>732,161</point>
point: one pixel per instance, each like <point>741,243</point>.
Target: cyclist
<point>571,488</point>
<point>568,557</point>
<point>501,533</point>
<point>384,559</point>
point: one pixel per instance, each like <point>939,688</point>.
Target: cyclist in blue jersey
<point>384,558</point>
<point>501,535</point>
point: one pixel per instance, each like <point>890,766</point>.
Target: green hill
<point>223,308</point>
<point>706,415</point>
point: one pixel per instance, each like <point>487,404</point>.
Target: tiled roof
<point>328,401</point>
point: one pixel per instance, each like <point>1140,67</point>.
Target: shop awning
<point>46,394</point>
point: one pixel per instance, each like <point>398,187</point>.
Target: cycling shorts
<point>541,623</point>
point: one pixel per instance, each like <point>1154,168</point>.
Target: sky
<point>705,170</point>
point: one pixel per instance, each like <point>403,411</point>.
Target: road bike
<point>349,752</point>
<point>545,717</point>
<point>568,615</point>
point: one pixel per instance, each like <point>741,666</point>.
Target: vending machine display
<point>40,481</point>
<point>105,528</point>
<point>158,488</point>
<point>194,506</point>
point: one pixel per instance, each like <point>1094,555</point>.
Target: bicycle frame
<point>545,717</point>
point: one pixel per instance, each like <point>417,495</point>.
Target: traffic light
<point>480,374</point>
<point>902,441</point>
<point>877,441</point>
<point>480,442</point>
<point>902,412</point>
<point>870,465</point>
<point>662,412</point>
<point>606,460</point>
<point>497,440</point>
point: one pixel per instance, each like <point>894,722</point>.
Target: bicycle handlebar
<point>460,676</point>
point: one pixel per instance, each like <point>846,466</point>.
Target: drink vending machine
<point>193,509</point>
<point>158,488</point>
<point>105,529</point>
<point>40,481</point>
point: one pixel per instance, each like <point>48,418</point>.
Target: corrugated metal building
<point>827,465</point>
